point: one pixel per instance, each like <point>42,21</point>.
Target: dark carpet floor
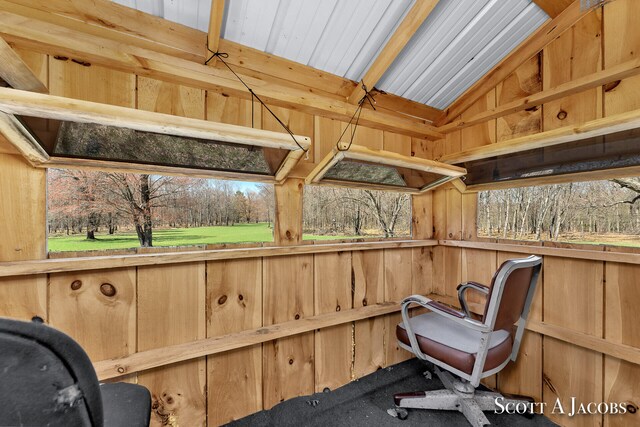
<point>365,403</point>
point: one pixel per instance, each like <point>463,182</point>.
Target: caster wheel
<point>402,413</point>
<point>399,413</point>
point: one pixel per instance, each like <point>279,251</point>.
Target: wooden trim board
<point>620,257</point>
<point>60,108</point>
<point>117,261</point>
<point>149,359</point>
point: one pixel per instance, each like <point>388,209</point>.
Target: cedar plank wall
<point>157,306</point>
<point>164,305</point>
<point>592,297</point>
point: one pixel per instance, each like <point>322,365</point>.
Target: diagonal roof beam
<point>407,28</point>
<point>548,32</point>
<point>215,25</point>
<point>14,71</point>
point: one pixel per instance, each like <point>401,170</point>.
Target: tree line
<point>552,212</point>
<point>90,202</point>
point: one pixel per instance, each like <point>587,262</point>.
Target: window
<point>90,210</point>
<point>596,212</point>
<point>348,213</point>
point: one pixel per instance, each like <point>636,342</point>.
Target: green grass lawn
<point>174,237</point>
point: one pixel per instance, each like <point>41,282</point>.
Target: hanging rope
<point>222,56</point>
<point>367,97</point>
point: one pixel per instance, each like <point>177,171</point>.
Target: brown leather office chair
<point>471,349</point>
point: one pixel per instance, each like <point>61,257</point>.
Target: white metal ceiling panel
<point>459,42</point>
<point>341,37</point>
<point>192,13</point>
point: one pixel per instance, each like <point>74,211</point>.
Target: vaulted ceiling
<point>447,50</point>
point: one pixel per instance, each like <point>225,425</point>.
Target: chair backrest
<point>512,289</point>
<point>46,378</point>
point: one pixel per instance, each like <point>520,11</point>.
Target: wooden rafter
<point>119,23</point>
<point>534,44</point>
<point>407,28</point>
<point>215,25</point>
<point>14,71</point>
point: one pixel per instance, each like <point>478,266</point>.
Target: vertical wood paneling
<point>397,143</point>
<point>23,210</point>
<point>171,301</point>
<point>397,285</point>
<point>580,282</point>
<point>333,346</point>
<point>576,53</point>
<point>169,98</point>
<point>288,221</point>
<point>368,277</point>
<point>525,81</point>
<point>326,135</point>
<point>621,43</point>
<point>368,137</point>
<point>93,83</point>
<point>97,309</point>
<point>477,266</point>
<point>422,271</point>
<point>235,111</point>
<point>288,363</point>
<point>23,236</point>
<point>171,310</point>
<point>573,298</point>
<point>234,304</point>
<point>299,123</point>
<point>621,378</point>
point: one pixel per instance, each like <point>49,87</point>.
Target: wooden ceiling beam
<point>407,28</point>
<point>58,40</point>
<point>529,48</point>
<point>215,25</point>
<point>16,72</point>
<point>123,24</point>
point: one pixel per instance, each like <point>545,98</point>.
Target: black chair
<point>46,379</point>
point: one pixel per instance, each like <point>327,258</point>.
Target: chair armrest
<point>462,291</point>
<point>439,309</point>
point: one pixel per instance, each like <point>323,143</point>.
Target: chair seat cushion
<point>445,340</point>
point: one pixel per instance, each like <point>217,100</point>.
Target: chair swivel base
<point>458,396</point>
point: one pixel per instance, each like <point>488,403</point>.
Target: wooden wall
<point>117,312</point>
<point>589,297</point>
